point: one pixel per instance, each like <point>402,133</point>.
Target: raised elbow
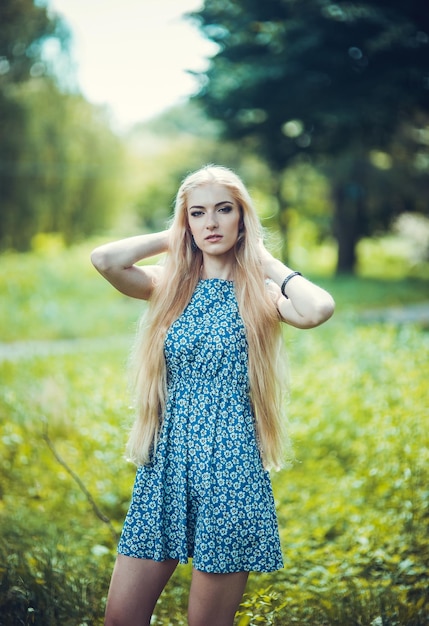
<point>319,313</point>
<point>323,311</point>
<point>100,260</point>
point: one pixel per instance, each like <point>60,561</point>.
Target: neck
<point>217,268</point>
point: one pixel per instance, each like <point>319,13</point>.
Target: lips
<point>214,238</point>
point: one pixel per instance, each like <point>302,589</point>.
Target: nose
<point>212,221</point>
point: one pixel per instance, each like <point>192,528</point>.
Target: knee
<point>117,616</point>
<point>113,619</point>
<point>198,620</point>
<point>210,618</point>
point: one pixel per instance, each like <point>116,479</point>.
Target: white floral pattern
<point>205,495</point>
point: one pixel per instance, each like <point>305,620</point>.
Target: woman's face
<point>214,218</point>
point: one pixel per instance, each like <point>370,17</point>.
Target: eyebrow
<point>197,206</point>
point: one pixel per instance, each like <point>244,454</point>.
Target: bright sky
<point>133,54</point>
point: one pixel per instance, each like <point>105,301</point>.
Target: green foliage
<point>25,27</point>
<point>353,509</point>
<point>60,163</point>
<point>337,74</point>
<point>343,85</point>
<point>62,295</point>
<point>65,175</point>
<point>33,583</point>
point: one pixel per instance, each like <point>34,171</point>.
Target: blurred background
<point>323,108</point>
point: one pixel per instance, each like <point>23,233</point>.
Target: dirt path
<point>410,314</point>
<point>17,350</point>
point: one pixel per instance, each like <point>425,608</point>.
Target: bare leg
<point>134,590</point>
<point>214,598</point>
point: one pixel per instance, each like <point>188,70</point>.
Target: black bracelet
<point>286,280</point>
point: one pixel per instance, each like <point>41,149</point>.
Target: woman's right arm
<point>116,261</point>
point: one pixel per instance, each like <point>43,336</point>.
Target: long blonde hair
<point>182,266</point>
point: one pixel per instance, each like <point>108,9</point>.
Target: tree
<point>59,161</point>
<point>24,28</point>
<point>66,177</point>
<point>322,80</point>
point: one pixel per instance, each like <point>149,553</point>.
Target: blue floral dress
<point>205,493</point>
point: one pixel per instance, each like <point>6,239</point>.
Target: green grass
<point>353,509</point>
<point>60,296</point>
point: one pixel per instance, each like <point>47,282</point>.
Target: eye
<point>196,213</point>
<point>225,209</point>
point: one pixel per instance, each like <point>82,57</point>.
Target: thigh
<point>214,598</point>
<point>134,590</point>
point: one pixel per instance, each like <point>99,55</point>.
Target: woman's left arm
<point>302,303</point>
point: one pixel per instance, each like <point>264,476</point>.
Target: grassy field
<point>353,509</point>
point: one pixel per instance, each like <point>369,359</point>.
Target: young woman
<point>208,425</point>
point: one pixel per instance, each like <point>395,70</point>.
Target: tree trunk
<point>349,217</point>
<point>282,217</point>
<point>349,183</point>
